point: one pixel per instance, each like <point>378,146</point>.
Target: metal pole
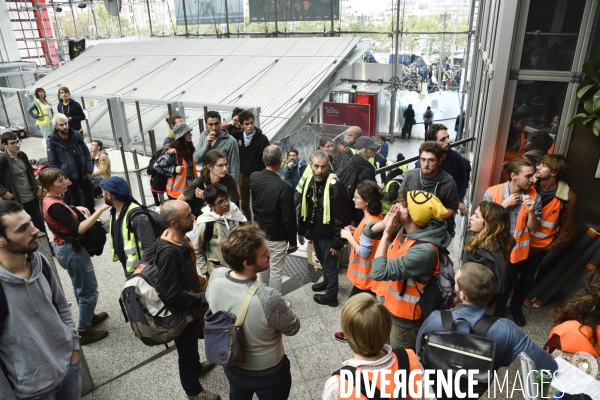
<point>112,122</point>
<point>4,108</point>
<point>276,28</point>
<point>87,122</point>
<point>395,79</point>
<point>205,108</point>
<point>170,109</point>
<point>227,16</point>
<point>119,19</point>
<point>138,174</point>
<point>152,141</point>
<point>187,34</point>
<point>23,113</point>
<point>139,116</point>
<point>201,125</point>
<point>466,65</point>
<point>441,55</point>
<point>332,28</point>
<point>93,16</point>
<point>151,34</point>
<point>74,23</point>
<point>124,161</point>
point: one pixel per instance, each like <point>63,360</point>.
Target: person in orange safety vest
<point>367,325</point>
<point>524,206</point>
<point>406,268</point>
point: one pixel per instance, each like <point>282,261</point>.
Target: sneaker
<point>340,337</point>
<point>319,287</point>
<point>205,395</point>
<point>206,366</point>
<point>91,335</point>
<point>98,318</point>
<point>324,300</point>
<point>518,316</point>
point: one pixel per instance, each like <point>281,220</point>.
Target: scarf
<point>226,220</point>
<point>248,138</point>
<point>326,206</point>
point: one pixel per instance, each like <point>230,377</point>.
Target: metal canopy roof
<point>285,77</point>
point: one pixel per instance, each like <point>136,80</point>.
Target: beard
<point>20,248</point>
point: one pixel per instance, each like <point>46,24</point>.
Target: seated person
<point>475,285</point>
<point>367,325</point>
<point>219,215</point>
<point>101,161</point>
<point>577,327</point>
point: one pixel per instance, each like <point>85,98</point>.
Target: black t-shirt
<point>67,142</point>
<point>63,216</point>
<point>196,203</point>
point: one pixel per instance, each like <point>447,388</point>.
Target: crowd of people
<point>233,223</point>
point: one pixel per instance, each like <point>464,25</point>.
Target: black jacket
<point>6,176</point>
<point>59,156</point>
<point>409,115</point>
<point>178,284</point>
<point>273,206</point>
<point>339,215</point>
<point>74,111</point>
<point>357,170</point>
<point>251,156</point>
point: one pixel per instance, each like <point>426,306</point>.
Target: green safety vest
<point>131,247</point>
<point>386,205</point>
<point>41,111</point>
<point>307,174</point>
<point>326,199</point>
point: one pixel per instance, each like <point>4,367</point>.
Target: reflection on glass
<point>551,34</point>
<point>535,119</point>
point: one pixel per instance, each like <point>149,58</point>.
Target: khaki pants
<point>404,337</point>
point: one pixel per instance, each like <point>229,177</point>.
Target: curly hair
<point>584,306</point>
<point>495,234</point>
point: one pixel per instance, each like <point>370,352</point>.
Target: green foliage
<point>589,93</point>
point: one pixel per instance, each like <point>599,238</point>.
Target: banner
<point>293,10</point>
<point>209,12</point>
<point>349,114</point>
<point>76,47</point>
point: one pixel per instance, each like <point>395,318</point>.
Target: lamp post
<point>444,16</point>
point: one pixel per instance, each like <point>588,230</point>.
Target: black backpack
<point>403,364</point>
<point>448,350</point>
<point>158,181</point>
<point>158,225</point>
<point>92,240</point>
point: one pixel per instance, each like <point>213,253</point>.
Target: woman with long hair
<point>367,198</point>
<point>214,171</point>
<point>41,110</point>
<point>177,162</point>
<point>577,326</point>
<point>63,219</point>
<point>489,242</point>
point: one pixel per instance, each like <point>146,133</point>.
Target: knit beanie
<point>422,206</point>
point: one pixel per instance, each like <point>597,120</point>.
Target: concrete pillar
<point>87,384</point>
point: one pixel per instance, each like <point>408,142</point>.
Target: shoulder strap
<point>209,230</point>
<point>403,361</point>
<point>448,324</point>
<point>363,387</point>
<point>244,308</point>
<point>484,324</point>
<point>3,309</point>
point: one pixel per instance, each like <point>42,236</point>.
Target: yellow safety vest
<point>44,112</point>
<point>131,247</point>
<point>386,205</point>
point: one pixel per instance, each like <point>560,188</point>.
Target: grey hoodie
<point>442,186</point>
<point>227,144</point>
<point>37,342</point>
<point>417,263</point>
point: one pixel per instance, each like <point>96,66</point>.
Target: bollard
<point>87,384</point>
<point>120,143</point>
<point>138,174</point>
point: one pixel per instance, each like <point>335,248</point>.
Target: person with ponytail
<point>214,171</point>
<point>577,326</point>
<point>63,219</point>
<point>172,121</point>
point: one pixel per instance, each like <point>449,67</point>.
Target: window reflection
<point>535,118</point>
<point>551,34</point>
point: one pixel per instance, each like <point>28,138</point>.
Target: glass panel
<point>551,34</point>
<point>535,118</point>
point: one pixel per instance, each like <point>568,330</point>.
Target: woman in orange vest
<point>577,327</point>
<point>489,242</point>
<point>367,197</point>
<point>177,162</point>
<point>367,325</point>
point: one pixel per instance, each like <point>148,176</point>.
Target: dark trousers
<point>189,358</point>
<point>85,185</point>
<point>427,125</point>
<point>407,129</point>
<point>329,264</point>
<point>33,209</point>
<point>520,276</point>
<point>244,187</point>
<point>275,386</point>
<point>382,173</point>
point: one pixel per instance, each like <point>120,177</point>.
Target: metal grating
<point>299,268</point>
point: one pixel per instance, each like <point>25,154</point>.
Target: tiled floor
<point>313,352</point>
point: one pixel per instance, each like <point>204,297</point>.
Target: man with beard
<point>180,290</point>
<point>430,178</point>
<point>68,152</point>
<point>324,212</point>
<point>39,346</point>
<point>131,235</point>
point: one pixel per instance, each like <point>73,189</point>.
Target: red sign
<point>348,114</point>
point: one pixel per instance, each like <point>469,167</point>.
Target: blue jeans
<point>329,264</point>
<point>275,386</point>
<point>70,387</point>
<point>81,270</point>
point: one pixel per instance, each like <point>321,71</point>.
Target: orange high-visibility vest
<point>575,337</point>
<point>404,305</point>
<point>521,233</point>
<point>177,184</point>
<point>359,268</point>
<point>545,235</point>
<point>390,387</point>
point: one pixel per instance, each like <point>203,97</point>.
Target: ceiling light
<point>81,5</point>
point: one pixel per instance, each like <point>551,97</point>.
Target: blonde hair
<point>58,117</point>
<point>367,324</point>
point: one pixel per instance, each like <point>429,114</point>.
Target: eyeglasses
<point>15,142</point>
<point>223,202</point>
<point>222,165</point>
<point>329,146</point>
